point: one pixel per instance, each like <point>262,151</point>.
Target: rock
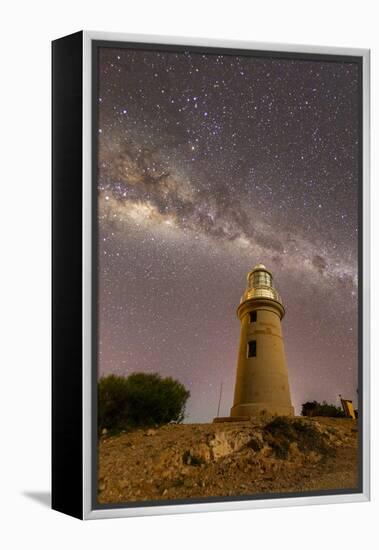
<point>124,483</point>
<point>201,454</point>
<point>224,443</point>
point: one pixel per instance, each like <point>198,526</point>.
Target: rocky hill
<point>191,461</point>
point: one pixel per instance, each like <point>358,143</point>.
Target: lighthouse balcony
<point>261,292</point>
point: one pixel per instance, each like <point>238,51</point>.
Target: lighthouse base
<point>256,409</point>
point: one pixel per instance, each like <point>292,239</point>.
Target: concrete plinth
<point>220,419</point>
<point>248,410</point>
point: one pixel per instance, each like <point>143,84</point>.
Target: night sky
<point>208,165</point>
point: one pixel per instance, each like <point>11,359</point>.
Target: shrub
<point>112,402</point>
<point>139,400</point>
<point>282,431</point>
<point>279,434</point>
<point>313,408</point>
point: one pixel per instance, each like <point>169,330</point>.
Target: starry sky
<point>207,165</point>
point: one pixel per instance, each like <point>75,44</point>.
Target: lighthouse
<point>262,376</point>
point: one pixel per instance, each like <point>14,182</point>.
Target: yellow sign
<point>348,408</point>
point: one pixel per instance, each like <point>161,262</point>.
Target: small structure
<point>348,409</point>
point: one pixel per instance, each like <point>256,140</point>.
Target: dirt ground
<point>191,461</point>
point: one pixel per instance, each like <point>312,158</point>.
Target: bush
<point>282,431</point>
<point>139,400</point>
<point>112,402</point>
<point>313,408</point>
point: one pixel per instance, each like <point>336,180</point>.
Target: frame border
<point>66,295</point>
<point>362,56</point>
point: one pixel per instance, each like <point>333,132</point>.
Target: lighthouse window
<point>253,316</point>
<point>261,278</point>
<point>252,348</point>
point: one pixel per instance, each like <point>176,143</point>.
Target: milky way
<point>209,164</point>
